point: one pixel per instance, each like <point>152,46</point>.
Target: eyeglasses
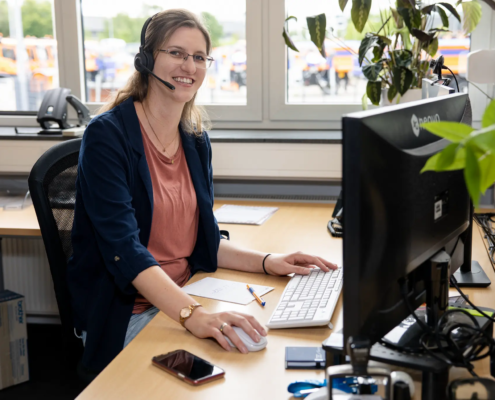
<point>180,57</point>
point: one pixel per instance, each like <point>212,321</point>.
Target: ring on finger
<point>223,326</point>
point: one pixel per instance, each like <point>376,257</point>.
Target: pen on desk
<point>258,298</point>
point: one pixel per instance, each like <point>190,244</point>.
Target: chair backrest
<point>52,184</point>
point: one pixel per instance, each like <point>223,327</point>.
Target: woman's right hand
<point>203,324</point>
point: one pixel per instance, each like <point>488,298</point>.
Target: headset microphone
<point>167,84</point>
<point>144,61</point>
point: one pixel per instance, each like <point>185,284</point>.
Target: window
<point>338,78</point>
<point>112,37</point>
<point>28,63</point>
<point>265,90</point>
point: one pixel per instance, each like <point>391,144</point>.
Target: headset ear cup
<point>138,63</point>
<point>149,60</point>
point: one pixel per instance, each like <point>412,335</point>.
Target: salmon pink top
<point>174,225</point>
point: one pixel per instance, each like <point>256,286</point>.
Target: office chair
<point>52,184</point>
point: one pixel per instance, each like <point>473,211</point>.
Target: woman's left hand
<point>300,263</point>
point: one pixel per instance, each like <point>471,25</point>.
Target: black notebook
<point>304,358</point>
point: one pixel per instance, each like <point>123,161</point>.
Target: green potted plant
<point>472,150</point>
<point>395,57</point>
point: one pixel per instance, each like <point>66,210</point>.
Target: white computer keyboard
<point>308,300</point>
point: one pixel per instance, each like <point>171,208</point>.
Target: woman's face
<point>186,77</point>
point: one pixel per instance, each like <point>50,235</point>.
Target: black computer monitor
<point>396,218</point>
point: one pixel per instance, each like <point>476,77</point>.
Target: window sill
<point>275,136</point>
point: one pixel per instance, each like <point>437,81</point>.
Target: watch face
<point>185,312</point>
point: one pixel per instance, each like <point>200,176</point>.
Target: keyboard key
<point>291,318</point>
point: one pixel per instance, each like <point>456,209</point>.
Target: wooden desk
<point>260,375</point>
<point>17,223</point>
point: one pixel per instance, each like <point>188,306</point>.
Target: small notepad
<point>230,214</point>
<point>224,290</point>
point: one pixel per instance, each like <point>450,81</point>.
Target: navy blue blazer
<point>112,223</point>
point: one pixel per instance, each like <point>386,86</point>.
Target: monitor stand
<point>470,274</point>
<point>435,373</point>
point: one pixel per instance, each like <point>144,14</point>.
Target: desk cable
<point>460,343</point>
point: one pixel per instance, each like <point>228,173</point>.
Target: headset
<point>144,61</point>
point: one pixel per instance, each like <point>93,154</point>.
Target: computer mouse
<point>251,345</point>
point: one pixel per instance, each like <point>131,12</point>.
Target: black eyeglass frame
<point>209,60</point>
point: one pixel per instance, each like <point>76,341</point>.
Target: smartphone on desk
<point>188,367</point>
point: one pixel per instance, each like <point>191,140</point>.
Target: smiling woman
<point>143,221</point>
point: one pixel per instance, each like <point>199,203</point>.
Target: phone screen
<point>187,366</point>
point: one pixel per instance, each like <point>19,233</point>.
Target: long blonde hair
<point>194,118</point>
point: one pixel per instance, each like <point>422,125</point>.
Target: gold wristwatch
<point>186,312</point>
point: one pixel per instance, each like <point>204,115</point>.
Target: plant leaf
<point>453,131</point>
<point>378,52</point>
<point>460,160</point>
<point>489,115</point>
<point>421,35</point>
<point>443,16</point>
<point>427,10</point>
<point>431,163</point>
<point>402,79</point>
<point>384,40</point>
<point>402,58</point>
<point>372,71</point>
<point>458,163</point>
<point>289,18</point>
<point>397,18</point>
<point>367,43</point>
<point>411,16</point>
<point>288,40</point>
<point>405,3</point>
<point>487,167</point>
<point>317,25</point>
<point>433,47</point>
<point>452,9</point>
<point>342,4</point>
<point>364,101</point>
<point>446,157</point>
<point>472,175</point>
<point>359,13</point>
<point>484,139</point>
<point>374,91</point>
<point>472,15</point>
<point>392,91</point>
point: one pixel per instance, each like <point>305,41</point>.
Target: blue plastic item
<point>346,385</point>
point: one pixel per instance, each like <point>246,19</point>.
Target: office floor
<point>48,377</point>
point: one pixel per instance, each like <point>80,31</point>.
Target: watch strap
<point>191,307</point>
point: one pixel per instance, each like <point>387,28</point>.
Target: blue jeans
<point>136,325</point>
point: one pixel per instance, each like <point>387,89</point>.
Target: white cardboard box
<point>13,340</point>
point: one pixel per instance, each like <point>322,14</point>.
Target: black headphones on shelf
<point>144,61</point>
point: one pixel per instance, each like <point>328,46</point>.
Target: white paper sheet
<point>230,214</point>
<point>221,289</point>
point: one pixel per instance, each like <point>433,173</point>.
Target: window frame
<point>267,59</point>
<point>279,108</point>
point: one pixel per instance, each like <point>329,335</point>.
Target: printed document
<point>221,289</point>
<point>230,214</point>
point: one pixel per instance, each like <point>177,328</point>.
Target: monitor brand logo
<point>416,122</point>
